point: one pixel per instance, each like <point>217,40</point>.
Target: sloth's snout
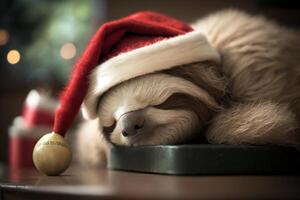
<point>132,123</point>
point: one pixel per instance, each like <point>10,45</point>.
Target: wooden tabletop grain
<point>106,184</point>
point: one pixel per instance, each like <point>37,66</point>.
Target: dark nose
<point>132,122</point>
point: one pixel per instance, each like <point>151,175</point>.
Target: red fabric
<point>20,152</point>
<point>132,41</point>
<point>35,117</point>
<point>111,39</point>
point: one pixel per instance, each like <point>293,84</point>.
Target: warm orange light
<point>13,57</point>
<point>68,51</point>
<point>4,36</point>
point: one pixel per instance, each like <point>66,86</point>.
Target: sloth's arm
<point>90,148</point>
<point>255,123</point>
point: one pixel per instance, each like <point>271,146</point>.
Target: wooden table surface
<point>93,184</point>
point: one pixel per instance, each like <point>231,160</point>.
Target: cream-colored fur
<point>255,123</point>
<point>261,60</point>
<point>90,146</point>
<point>260,67</point>
<point>147,91</point>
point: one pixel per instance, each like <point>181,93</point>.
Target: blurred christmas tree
<point>43,38</point>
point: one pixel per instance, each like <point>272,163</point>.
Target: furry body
<point>252,96</point>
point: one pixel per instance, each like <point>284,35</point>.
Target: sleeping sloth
<point>251,97</point>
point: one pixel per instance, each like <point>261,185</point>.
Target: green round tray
<point>206,159</point>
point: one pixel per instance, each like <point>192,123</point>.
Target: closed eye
<point>107,130</point>
<point>186,102</point>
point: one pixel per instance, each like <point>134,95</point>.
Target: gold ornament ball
<point>51,154</point>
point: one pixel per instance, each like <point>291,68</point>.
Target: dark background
<point>37,29</point>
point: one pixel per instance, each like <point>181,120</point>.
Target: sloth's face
<point>154,109</point>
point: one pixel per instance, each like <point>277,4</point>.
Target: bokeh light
<point>68,51</point>
<point>13,56</point>
<point>4,37</point>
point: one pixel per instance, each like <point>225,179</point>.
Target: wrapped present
<point>36,119</point>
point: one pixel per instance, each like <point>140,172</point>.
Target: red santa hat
<point>120,50</point>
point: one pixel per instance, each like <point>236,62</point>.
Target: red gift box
<point>37,119</point>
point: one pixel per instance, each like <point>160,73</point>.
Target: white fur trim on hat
<point>162,55</point>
